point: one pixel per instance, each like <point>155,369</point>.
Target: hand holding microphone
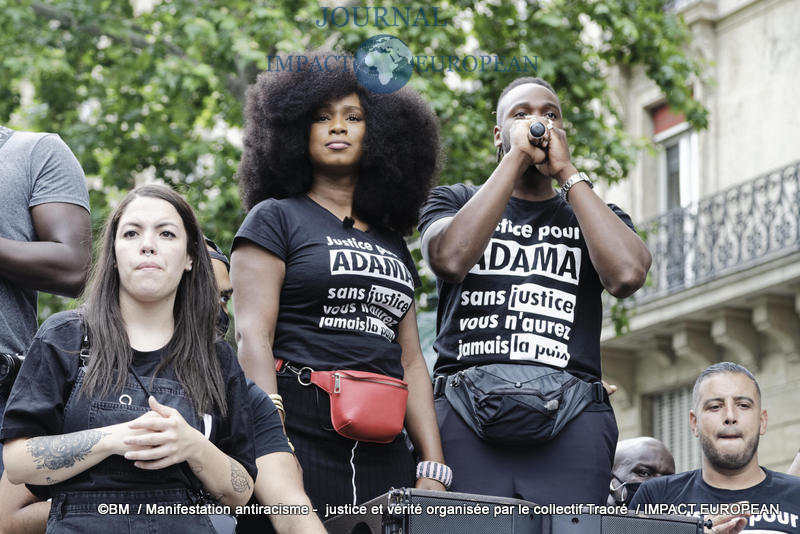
<point>553,142</point>
<point>537,129</point>
<point>546,144</point>
<point>539,132</point>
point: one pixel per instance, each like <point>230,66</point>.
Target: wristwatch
<point>572,180</point>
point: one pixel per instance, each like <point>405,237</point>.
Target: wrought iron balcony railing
<point>733,230</point>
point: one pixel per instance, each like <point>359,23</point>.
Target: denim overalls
<point>75,506</point>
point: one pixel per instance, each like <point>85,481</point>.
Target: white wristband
<point>435,471</point>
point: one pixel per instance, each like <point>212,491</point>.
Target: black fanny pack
<point>517,403</point>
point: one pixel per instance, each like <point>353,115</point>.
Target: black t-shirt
<point>45,382</point>
<point>345,290</point>
<point>269,435</point>
<point>269,438</point>
<point>779,493</point>
<point>534,296</point>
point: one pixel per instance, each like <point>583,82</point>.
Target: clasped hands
<point>158,439</point>
<point>548,153</point>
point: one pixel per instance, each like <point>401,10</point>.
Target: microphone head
<point>348,222</point>
<point>537,129</point>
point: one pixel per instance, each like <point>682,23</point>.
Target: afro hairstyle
<point>401,156</point>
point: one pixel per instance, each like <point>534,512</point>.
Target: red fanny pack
<point>364,406</point>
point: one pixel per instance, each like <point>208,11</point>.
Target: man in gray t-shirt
<point>45,233</point>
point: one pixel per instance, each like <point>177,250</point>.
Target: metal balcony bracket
<point>775,317</point>
<point>693,342</point>
<point>660,348</point>
<point>732,329</point>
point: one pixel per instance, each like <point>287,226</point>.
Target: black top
<point>269,436</point>
<point>345,290</point>
<point>689,488</point>
<point>534,296</point>
<point>45,383</point>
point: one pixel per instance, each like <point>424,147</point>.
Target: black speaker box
<point>415,511</point>
<point>624,524</point>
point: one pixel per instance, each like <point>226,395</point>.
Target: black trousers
<point>338,470</point>
<point>575,467</point>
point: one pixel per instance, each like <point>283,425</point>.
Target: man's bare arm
<point>58,261</point>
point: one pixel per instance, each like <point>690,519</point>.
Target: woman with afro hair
<point>333,175</point>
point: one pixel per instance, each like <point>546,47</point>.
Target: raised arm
<point>452,245</point>
<point>58,261</point>
<point>420,413</point>
<point>257,278</point>
<point>619,256</point>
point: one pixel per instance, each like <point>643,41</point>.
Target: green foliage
<point>620,316</point>
<point>159,92</point>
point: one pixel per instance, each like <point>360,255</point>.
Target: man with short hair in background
<point>728,419</point>
<point>637,460</point>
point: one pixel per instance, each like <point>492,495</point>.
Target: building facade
<point>720,209</point>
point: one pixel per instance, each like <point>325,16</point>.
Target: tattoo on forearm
<point>56,452</point>
<point>239,480</point>
<point>196,467</point>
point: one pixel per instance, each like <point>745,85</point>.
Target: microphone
<point>537,129</point>
<point>348,222</point>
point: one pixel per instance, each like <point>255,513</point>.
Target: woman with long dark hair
<point>129,399</point>
<point>333,175</point>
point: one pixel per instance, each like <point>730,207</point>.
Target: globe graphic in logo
<point>383,63</point>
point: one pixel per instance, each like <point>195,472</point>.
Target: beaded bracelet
<point>277,400</point>
<point>435,471</point>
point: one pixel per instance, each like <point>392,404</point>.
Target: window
<point>678,163</point>
<point>673,176</point>
<point>678,193</point>
<point>671,426</point>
